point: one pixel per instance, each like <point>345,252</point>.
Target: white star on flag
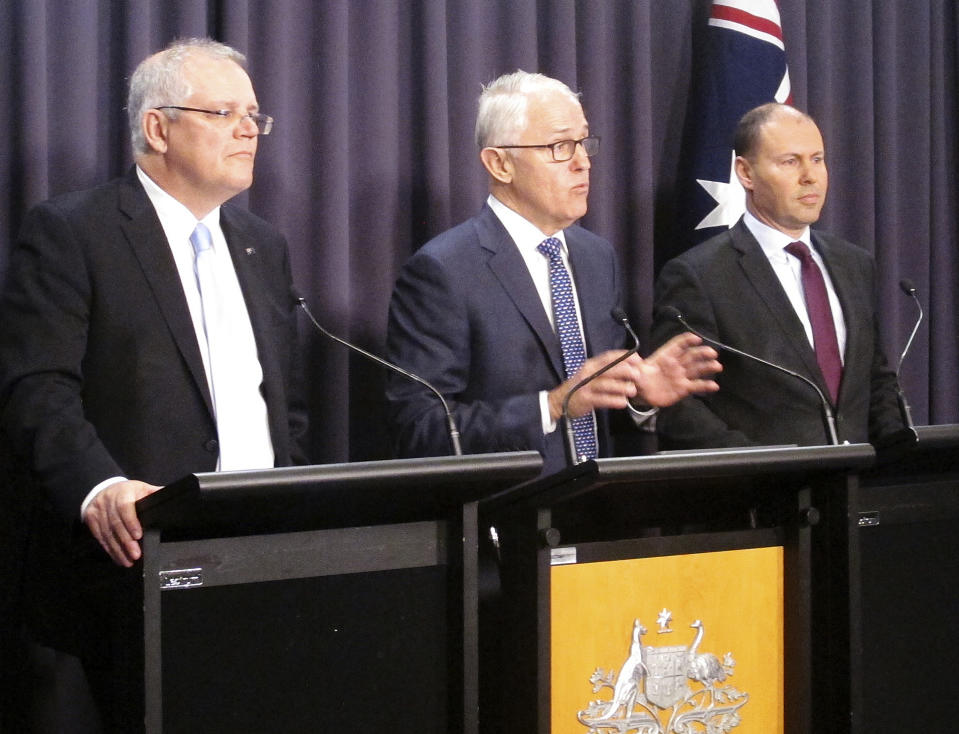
<point>730,199</point>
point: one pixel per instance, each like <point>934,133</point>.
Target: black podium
<point>323,598</point>
<point>904,589</point>
<point>664,505</point>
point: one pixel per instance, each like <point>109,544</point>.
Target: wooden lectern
<point>321,598</point>
<point>619,535</point>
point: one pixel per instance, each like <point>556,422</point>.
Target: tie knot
<point>798,249</point>
<point>550,247</point>
<point>201,239</point>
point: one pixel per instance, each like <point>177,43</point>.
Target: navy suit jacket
<point>727,290</point>
<point>465,315</point>
<point>100,370</point>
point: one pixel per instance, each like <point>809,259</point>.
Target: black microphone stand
<point>454,433</point>
<point>910,290</point>
<point>675,314</point>
<point>620,315</point>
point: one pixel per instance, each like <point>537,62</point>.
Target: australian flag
<point>740,64</point>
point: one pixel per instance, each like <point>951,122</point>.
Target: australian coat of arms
<point>666,690</point>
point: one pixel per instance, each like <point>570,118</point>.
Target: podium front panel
<point>354,652</point>
<point>335,629</point>
<point>646,638</point>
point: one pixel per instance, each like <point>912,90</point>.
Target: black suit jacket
<point>100,370</point>
<point>727,289</point>
<point>465,315</point>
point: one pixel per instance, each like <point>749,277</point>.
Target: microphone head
<point>619,315</point>
<point>907,286</point>
<point>673,314</point>
<point>297,297</point>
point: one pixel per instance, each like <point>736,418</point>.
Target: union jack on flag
<point>742,65</point>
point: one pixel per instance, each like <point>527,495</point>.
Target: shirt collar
<point>178,221</point>
<point>772,241</point>
<point>523,232</point>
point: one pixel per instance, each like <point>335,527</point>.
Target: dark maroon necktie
<point>820,316</point>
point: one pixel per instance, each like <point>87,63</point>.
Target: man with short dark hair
<point>147,332</point>
<point>505,313</point>
<point>774,288</point>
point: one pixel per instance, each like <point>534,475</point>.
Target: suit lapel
<point>509,268</point>
<point>243,251</point>
<point>148,241</point>
<point>246,262</point>
<point>760,275</point>
<point>585,270</point>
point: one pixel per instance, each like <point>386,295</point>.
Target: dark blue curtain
<point>372,153</point>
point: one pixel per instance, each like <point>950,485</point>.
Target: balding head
<point>749,129</point>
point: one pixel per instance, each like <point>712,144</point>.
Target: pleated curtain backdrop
<point>373,153</point>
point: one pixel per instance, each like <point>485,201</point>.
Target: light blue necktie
<point>235,376</point>
<point>202,243</point>
<point>570,339</point>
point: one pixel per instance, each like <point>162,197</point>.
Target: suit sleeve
<point>690,423</point>
<point>430,334</point>
<point>43,335</point>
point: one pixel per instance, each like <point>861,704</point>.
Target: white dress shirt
<point>788,269</point>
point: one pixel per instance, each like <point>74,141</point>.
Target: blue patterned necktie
<point>570,339</point>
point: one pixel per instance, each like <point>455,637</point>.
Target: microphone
<point>619,315</point>
<point>673,313</point>
<point>454,433</point>
<point>909,289</point>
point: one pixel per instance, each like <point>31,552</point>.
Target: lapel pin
<point>250,250</point>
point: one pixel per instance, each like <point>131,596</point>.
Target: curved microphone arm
<point>910,290</point>
<point>674,314</point>
<point>619,315</point>
<point>454,433</point>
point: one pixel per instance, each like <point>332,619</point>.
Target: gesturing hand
<point>681,367</point>
<point>611,390</point>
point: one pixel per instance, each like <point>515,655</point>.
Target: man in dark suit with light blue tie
<point>506,312</point>
<point>798,298</point>
<point>115,377</point>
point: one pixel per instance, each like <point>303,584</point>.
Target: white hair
<point>502,106</point>
<point>159,80</point>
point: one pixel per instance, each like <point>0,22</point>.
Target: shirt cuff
<point>643,414</point>
<point>96,490</point>
<point>549,425</point>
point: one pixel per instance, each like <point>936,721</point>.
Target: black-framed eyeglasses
<point>264,123</point>
<point>564,150</point>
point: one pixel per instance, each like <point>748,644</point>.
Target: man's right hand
<point>112,518</point>
<point>611,390</point>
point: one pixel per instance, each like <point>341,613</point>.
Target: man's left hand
<point>681,367</point>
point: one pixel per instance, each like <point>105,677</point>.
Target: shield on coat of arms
<point>666,682</point>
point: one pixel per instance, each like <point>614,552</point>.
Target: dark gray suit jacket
<point>100,371</point>
<point>466,316</point>
<point>727,289</point>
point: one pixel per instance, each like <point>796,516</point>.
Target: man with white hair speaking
<point>506,312</point>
